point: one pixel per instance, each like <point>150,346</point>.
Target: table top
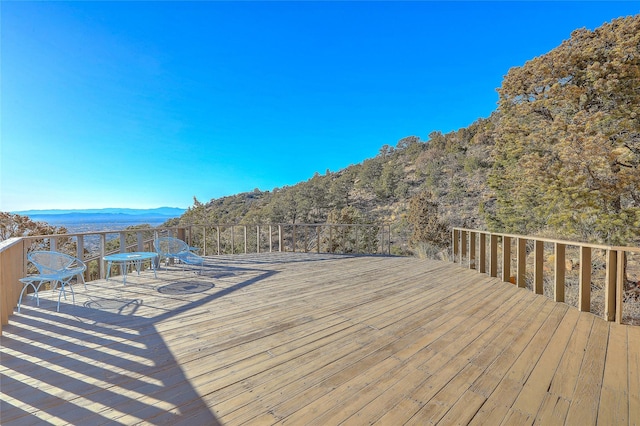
<point>133,256</point>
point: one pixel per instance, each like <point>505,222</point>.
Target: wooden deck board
<point>315,339</point>
<point>614,398</point>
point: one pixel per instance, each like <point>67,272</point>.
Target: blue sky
<point>148,104</point>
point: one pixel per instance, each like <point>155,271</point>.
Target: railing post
<point>620,263</point>
<point>233,240</point>
<point>103,245</point>
<point>53,243</point>
<point>538,269</point>
<point>522,263</point>
<point>330,239</point>
<point>463,245</point>
<point>293,237</point>
<point>80,253</point>
<point>506,259</point>
<point>279,238</point>
<point>610,285</point>
<point>493,255</point>
<point>318,228</point>
<point>257,238</point>
<point>389,240</point>
<point>585,279</point>
<point>357,242</point>
<point>483,253</point>
<point>245,239</point>
<point>472,250</point>
<point>270,239</point>
<point>139,241</point>
<point>559,270</point>
<point>218,238</point>
<point>80,247</point>
<point>204,240</point>
<point>123,242</point>
<point>456,243</point>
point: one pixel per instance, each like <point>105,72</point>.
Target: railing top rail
<point>4,245</point>
<point>555,240</point>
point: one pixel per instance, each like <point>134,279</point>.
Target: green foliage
<point>568,141</point>
<point>15,225</point>
<point>425,223</point>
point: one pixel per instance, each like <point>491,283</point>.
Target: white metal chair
<point>173,248</point>
<point>52,267</point>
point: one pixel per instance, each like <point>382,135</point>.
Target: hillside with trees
<point>559,157</point>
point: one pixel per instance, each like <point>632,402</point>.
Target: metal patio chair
<point>173,248</point>
<point>56,268</point>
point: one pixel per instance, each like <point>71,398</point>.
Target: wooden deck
<point>316,339</point>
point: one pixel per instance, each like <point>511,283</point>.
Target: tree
<point>568,141</point>
<point>370,173</point>
<point>425,223</point>
<point>391,176</point>
<point>15,225</point>
<point>196,214</point>
<point>340,189</point>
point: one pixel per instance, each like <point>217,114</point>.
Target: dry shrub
<point>425,250</point>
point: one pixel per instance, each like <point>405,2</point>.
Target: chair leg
<point>63,284</point>
<point>35,291</point>
<point>83,281</point>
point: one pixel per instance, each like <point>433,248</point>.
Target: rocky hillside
<point>559,156</point>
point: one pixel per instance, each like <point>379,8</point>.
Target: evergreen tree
<point>568,141</point>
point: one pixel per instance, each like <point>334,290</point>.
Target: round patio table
<point>136,258</point>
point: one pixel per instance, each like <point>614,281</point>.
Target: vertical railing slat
<point>463,246</point>
<point>538,268</point>
<point>559,271</point>
<point>493,255</point>
<point>103,248</point>
<point>293,236</point>
<point>521,279</point>
<point>472,250</point>
<point>610,285</point>
<point>585,279</point>
<point>483,253</point>
<point>456,244</point>
<point>620,264</point>
<point>506,259</point>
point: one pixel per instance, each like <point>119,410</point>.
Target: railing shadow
<point>102,362</point>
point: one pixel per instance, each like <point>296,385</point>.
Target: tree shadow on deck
<point>102,362</point>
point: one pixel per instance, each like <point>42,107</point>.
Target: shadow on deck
<point>315,339</point>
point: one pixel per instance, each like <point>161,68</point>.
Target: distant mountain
<point>160,211</point>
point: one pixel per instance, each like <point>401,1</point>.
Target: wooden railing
<point>12,268</point>
<point>214,239</point>
<point>592,277</point>
<point>303,237</point>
